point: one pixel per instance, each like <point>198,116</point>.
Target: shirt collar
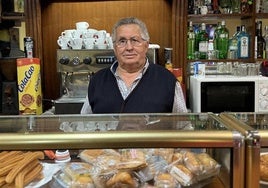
<point>115,65</point>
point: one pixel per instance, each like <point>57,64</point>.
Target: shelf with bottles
<point>215,43</point>
<point>198,18</point>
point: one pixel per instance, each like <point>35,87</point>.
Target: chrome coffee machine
<point>75,67</point>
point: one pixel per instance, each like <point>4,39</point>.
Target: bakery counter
<point>208,151</point>
<point>254,126</point>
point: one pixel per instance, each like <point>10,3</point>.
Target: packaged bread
<point>79,173</point>
<point>208,163</point>
<point>177,157</point>
<point>91,155</point>
<point>165,180</point>
<point>132,154</point>
<point>192,162</point>
<point>122,179</point>
<point>182,174</point>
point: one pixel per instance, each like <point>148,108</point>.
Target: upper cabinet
<point>12,28</point>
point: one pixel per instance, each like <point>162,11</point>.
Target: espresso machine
<point>75,67</point>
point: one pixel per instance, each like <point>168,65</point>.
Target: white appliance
<point>227,93</point>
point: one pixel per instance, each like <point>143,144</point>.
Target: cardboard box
<point>29,86</point>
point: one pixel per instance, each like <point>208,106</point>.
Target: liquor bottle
<point>216,34</point>
<point>202,41</point>
<point>243,43</point>
<point>222,40</point>
<point>259,41</point>
<point>233,45</point>
<point>190,41</point>
<point>266,41</point>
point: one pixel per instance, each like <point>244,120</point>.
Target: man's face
<point>130,49</point>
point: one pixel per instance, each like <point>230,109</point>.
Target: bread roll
<point>121,179</point>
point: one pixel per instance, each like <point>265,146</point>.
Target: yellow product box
<point>29,86</point>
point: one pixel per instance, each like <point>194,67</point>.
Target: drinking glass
<point>225,5</point>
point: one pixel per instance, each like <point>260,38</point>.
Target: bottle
<point>233,45</point>
<point>169,65</point>
<point>222,40</point>
<point>266,41</point>
<point>190,41</point>
<point>202,41</point>
<point>243,43</point>
<point>259,41</point>
<point>216,34</point>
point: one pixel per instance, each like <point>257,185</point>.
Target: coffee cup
<point>203,10</point>
<point>89,43</point>
<point>76,43</point>
<point>67,33</point>
<point>100,34</point>
<point>63,42</point>
<point>81,25</point>
<point>89,33</point>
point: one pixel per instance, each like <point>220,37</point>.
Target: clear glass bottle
<point>222,41</point>
<point>190,42</point>
<point>266,41</point>
<point>202,41</point>
<point>233,45</point>
<point>243,43</point>
<point>259,41</point>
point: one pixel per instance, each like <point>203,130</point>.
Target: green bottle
<point>202,41</point>
<point>190,41</point>
<point>222,41</point>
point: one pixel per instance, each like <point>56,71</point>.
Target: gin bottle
<point>233,46</point>
<point>259,41</point>
<point>190,41</point>
<point>202,41</point>
<point>243,43</point>
<point>266,40</point>
<point>222,40</point>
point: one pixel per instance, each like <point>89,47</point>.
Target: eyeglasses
<point>133,41</point>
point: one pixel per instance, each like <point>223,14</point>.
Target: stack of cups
<point>84,37</point>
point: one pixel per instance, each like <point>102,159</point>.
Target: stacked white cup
<point>83,37</point>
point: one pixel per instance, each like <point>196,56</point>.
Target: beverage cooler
<point>192,150</point>
<point>254,127</point>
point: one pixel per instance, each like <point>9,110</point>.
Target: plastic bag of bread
<point>132,159</point>
<point>80,174</point>
<point>156,164</point>
<point>182,174</point>
<point>91,155</point>
<point>192,162</point>
<point>133,154</point>
<point>165,180</point>
<point>165,153</point>
<point>122,179</point>
<point>209,164</point>
<point>211,167</point>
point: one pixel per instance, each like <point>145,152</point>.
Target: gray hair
<point>131,20</point>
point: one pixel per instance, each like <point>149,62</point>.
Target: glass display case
<point>179,133</point>
<point>254,127</point>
